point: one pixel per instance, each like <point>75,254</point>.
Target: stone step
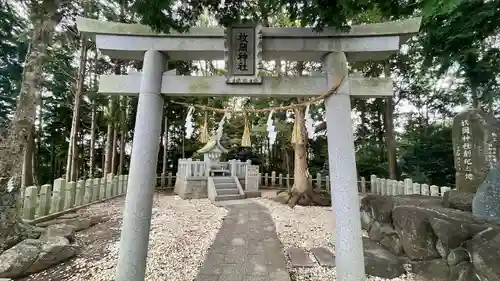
<point>227,191</point>
<point>324,256</point>
<point>229,197</point>
<point>223,179</point>
<point>223,172</point>
<point>225,185</point>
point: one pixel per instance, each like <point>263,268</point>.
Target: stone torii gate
<point>244,47</point>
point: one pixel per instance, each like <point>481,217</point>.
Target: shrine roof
<point>212,142</point>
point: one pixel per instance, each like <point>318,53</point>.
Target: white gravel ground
<point>308,227</point>
<point>181,233</point>
<point>183,230</point>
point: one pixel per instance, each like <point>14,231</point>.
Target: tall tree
<point>45,16</point>
<point>71,168</point>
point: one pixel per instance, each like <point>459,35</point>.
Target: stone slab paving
<point>324,256</point>
<point>299,257</point>
<point>246,247</point>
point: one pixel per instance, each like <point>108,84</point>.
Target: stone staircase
<point>226,189</point>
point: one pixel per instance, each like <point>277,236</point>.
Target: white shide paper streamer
<point>189,123</point>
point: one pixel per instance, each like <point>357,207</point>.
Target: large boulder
<point>484,251</point>
<point>379,208</point>
<point>53,251</point>
<point>63,230</point>
<point>450,233</point>
<point>80,223</point>
<point>486,202</point>
<point>463,272</point>
<point>413,224</point>
<point>34,255</point>
<point>417,238</point>
<point>380,262</point>
<point>458,200</point>
<point>15,261</point>
<point>432,270</point>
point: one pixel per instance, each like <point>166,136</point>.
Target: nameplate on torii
<point>243,53</point>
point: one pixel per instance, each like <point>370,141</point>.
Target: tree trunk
<point>109,144</point>
<point>12,148</point>
<point>73,148</point>
<point>123,131</point>
<point>28,175</point>
<point>165,151</point>
<point>38,141</point>
<point>389,130</point>
<point>301,184</point>
<point>92,140</point>
<point>302,192</point>
<point>115,149</point>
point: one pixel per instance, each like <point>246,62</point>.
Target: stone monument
<point>486,202</point>
<point>476,147</point>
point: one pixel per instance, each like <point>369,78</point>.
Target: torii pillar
<point>342,165</point>
<point>142,176</point>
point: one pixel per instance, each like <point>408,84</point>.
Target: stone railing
<point>61,197</point>
<point>286,181</point>
<point>196,169</point>
<point>382,186</point>
<point>375,185</point>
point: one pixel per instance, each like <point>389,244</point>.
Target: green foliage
<point>427,154</point>
<point>13,47</point>
<point>454,33</point>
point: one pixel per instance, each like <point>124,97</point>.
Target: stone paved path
<point>246,247</point>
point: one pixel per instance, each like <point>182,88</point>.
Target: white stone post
<point>343,175</point>
<point>30,200</point>
<point>102,189</point>
<point>80,192</point>
<point>44,201</point>
<point>116,182</point>
<point>425,190</point>
<point>401,188</point>
<point>380,186</point>
<point>408,186</point>
<point>318,180</point>
<point>373,184</point>
<point>169,180</point>
<point>142,177</point>
<point>416,188</point>
<point>57,196</point>
<point>69,200</point>
<point>89,188</point>
<point>434,190</point>
<point>96,190</point>
<point>109,185</point>
<point>444,189</point>
<point>232,165</point>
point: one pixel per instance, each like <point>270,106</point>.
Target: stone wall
<point>417,233</point>
<point>191,189</point>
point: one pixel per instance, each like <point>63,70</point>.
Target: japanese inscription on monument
<point>243,50</point>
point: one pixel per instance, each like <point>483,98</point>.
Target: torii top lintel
<point>362,42</point>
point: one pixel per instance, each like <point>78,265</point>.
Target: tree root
<point>311,198</point>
